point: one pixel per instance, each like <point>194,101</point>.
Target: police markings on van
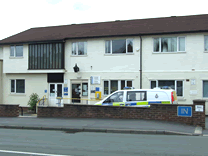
<point>140,97</point>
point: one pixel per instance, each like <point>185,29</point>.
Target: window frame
<point>170,80</point>
<point>15,86</point>
<point>145,94</point>
<point>177,46</point>
<point>204,43</point>
<point>77,48</point>
<point>111,47</point>
<point>15,55</point>
<point>119,85</point>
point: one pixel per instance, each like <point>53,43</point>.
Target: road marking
<point>205,135</point>
<point>5,151</point>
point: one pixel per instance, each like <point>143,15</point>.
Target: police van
<point>140,97</point>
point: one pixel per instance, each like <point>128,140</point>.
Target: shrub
<point>33,100</point>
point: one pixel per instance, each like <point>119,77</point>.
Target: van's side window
<point>117,97</point>
<point>136,96</point>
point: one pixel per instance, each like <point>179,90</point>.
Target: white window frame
<point>119,85</point>
<point>169,80</point>
<point>160,42</point>
<point>204,43</point>
<point>111,46</point>
<point>15,50</point>
<point>15,84</point>
<point>77,45</point>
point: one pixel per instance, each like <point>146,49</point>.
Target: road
<point>39,142</point>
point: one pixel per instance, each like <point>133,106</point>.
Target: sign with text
<point>185,111</point>
<point>199,108</point>
<point>65,89</point>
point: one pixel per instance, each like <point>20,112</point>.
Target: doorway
<point>55,90</point>
<point>76,92</point>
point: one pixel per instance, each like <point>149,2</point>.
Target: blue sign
<point>65,89</point>
<point>65,94</point>
<point>185,111</point>
<point>97,89</point>
<point>45,91</point>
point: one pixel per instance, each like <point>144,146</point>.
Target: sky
<point>19,15</point>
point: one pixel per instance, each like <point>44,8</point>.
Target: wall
<point>9,110</point>
<point>1,53</point>
<point>155,112</point>
<point>1,82</point>
<point>178,66</point>
<point>34,83</point>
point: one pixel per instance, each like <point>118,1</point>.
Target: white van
<point>140,97</point>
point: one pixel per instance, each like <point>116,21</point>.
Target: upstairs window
<point>79,48</point>
<point>16,51</point>
<point>169,44</point>
<point>46,56</point>
<point>121,46</point>
<point>205,43</point>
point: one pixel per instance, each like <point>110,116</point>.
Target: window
<point>205,43</point>
<point>121,46</point>
<point>16,51</point>
<point>117,97</point>
<point>46,56</point>
<point>205,89</point>
<point>177,85</point>
<point>111,86</point>
<point>136,96</point>
<point>169,44</point>
<point>18,86</point>
<point>79,48</point>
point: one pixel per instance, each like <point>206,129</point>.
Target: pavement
<point>73,125</point>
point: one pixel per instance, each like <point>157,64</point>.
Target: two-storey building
<point>143,53</point>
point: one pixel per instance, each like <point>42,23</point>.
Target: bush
<point>33,100</point>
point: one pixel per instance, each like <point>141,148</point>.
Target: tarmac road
<point>36,142</point>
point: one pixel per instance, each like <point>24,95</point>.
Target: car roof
<point>151,90</point>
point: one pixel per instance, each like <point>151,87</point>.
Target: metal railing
<point>41,102</point>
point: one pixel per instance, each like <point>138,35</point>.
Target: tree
<point>33,100</point>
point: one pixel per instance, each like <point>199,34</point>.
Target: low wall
<point>9,110</point>
<point>164,112</point>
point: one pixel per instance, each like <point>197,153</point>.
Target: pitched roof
<point>173,24</point>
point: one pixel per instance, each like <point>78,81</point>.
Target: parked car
<point>139,97</point>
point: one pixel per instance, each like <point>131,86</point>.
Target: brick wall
<point>164,112</point>
<point>9,110</point>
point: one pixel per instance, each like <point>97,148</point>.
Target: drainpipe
<point>140,62</point>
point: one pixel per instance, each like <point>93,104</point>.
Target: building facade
<point>145,53</point>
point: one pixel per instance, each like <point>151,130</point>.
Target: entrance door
<point>56,90</point>
<point>76,92</point>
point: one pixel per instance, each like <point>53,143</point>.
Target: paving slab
<point>102,125</point>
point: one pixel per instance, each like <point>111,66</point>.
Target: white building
<point>142,53</point>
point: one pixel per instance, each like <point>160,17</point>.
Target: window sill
<point>17,94</point>
<point>16,57</point>
<point>205,51</point>
<point>180,52</point>
<point>122,54</point>
<point>78,55</point>
<point>181,99</point>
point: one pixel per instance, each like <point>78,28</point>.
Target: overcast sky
<point>19,15</point>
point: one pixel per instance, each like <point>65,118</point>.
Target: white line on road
<point>5,151</point>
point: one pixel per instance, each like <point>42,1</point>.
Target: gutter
<point>140,62</point>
